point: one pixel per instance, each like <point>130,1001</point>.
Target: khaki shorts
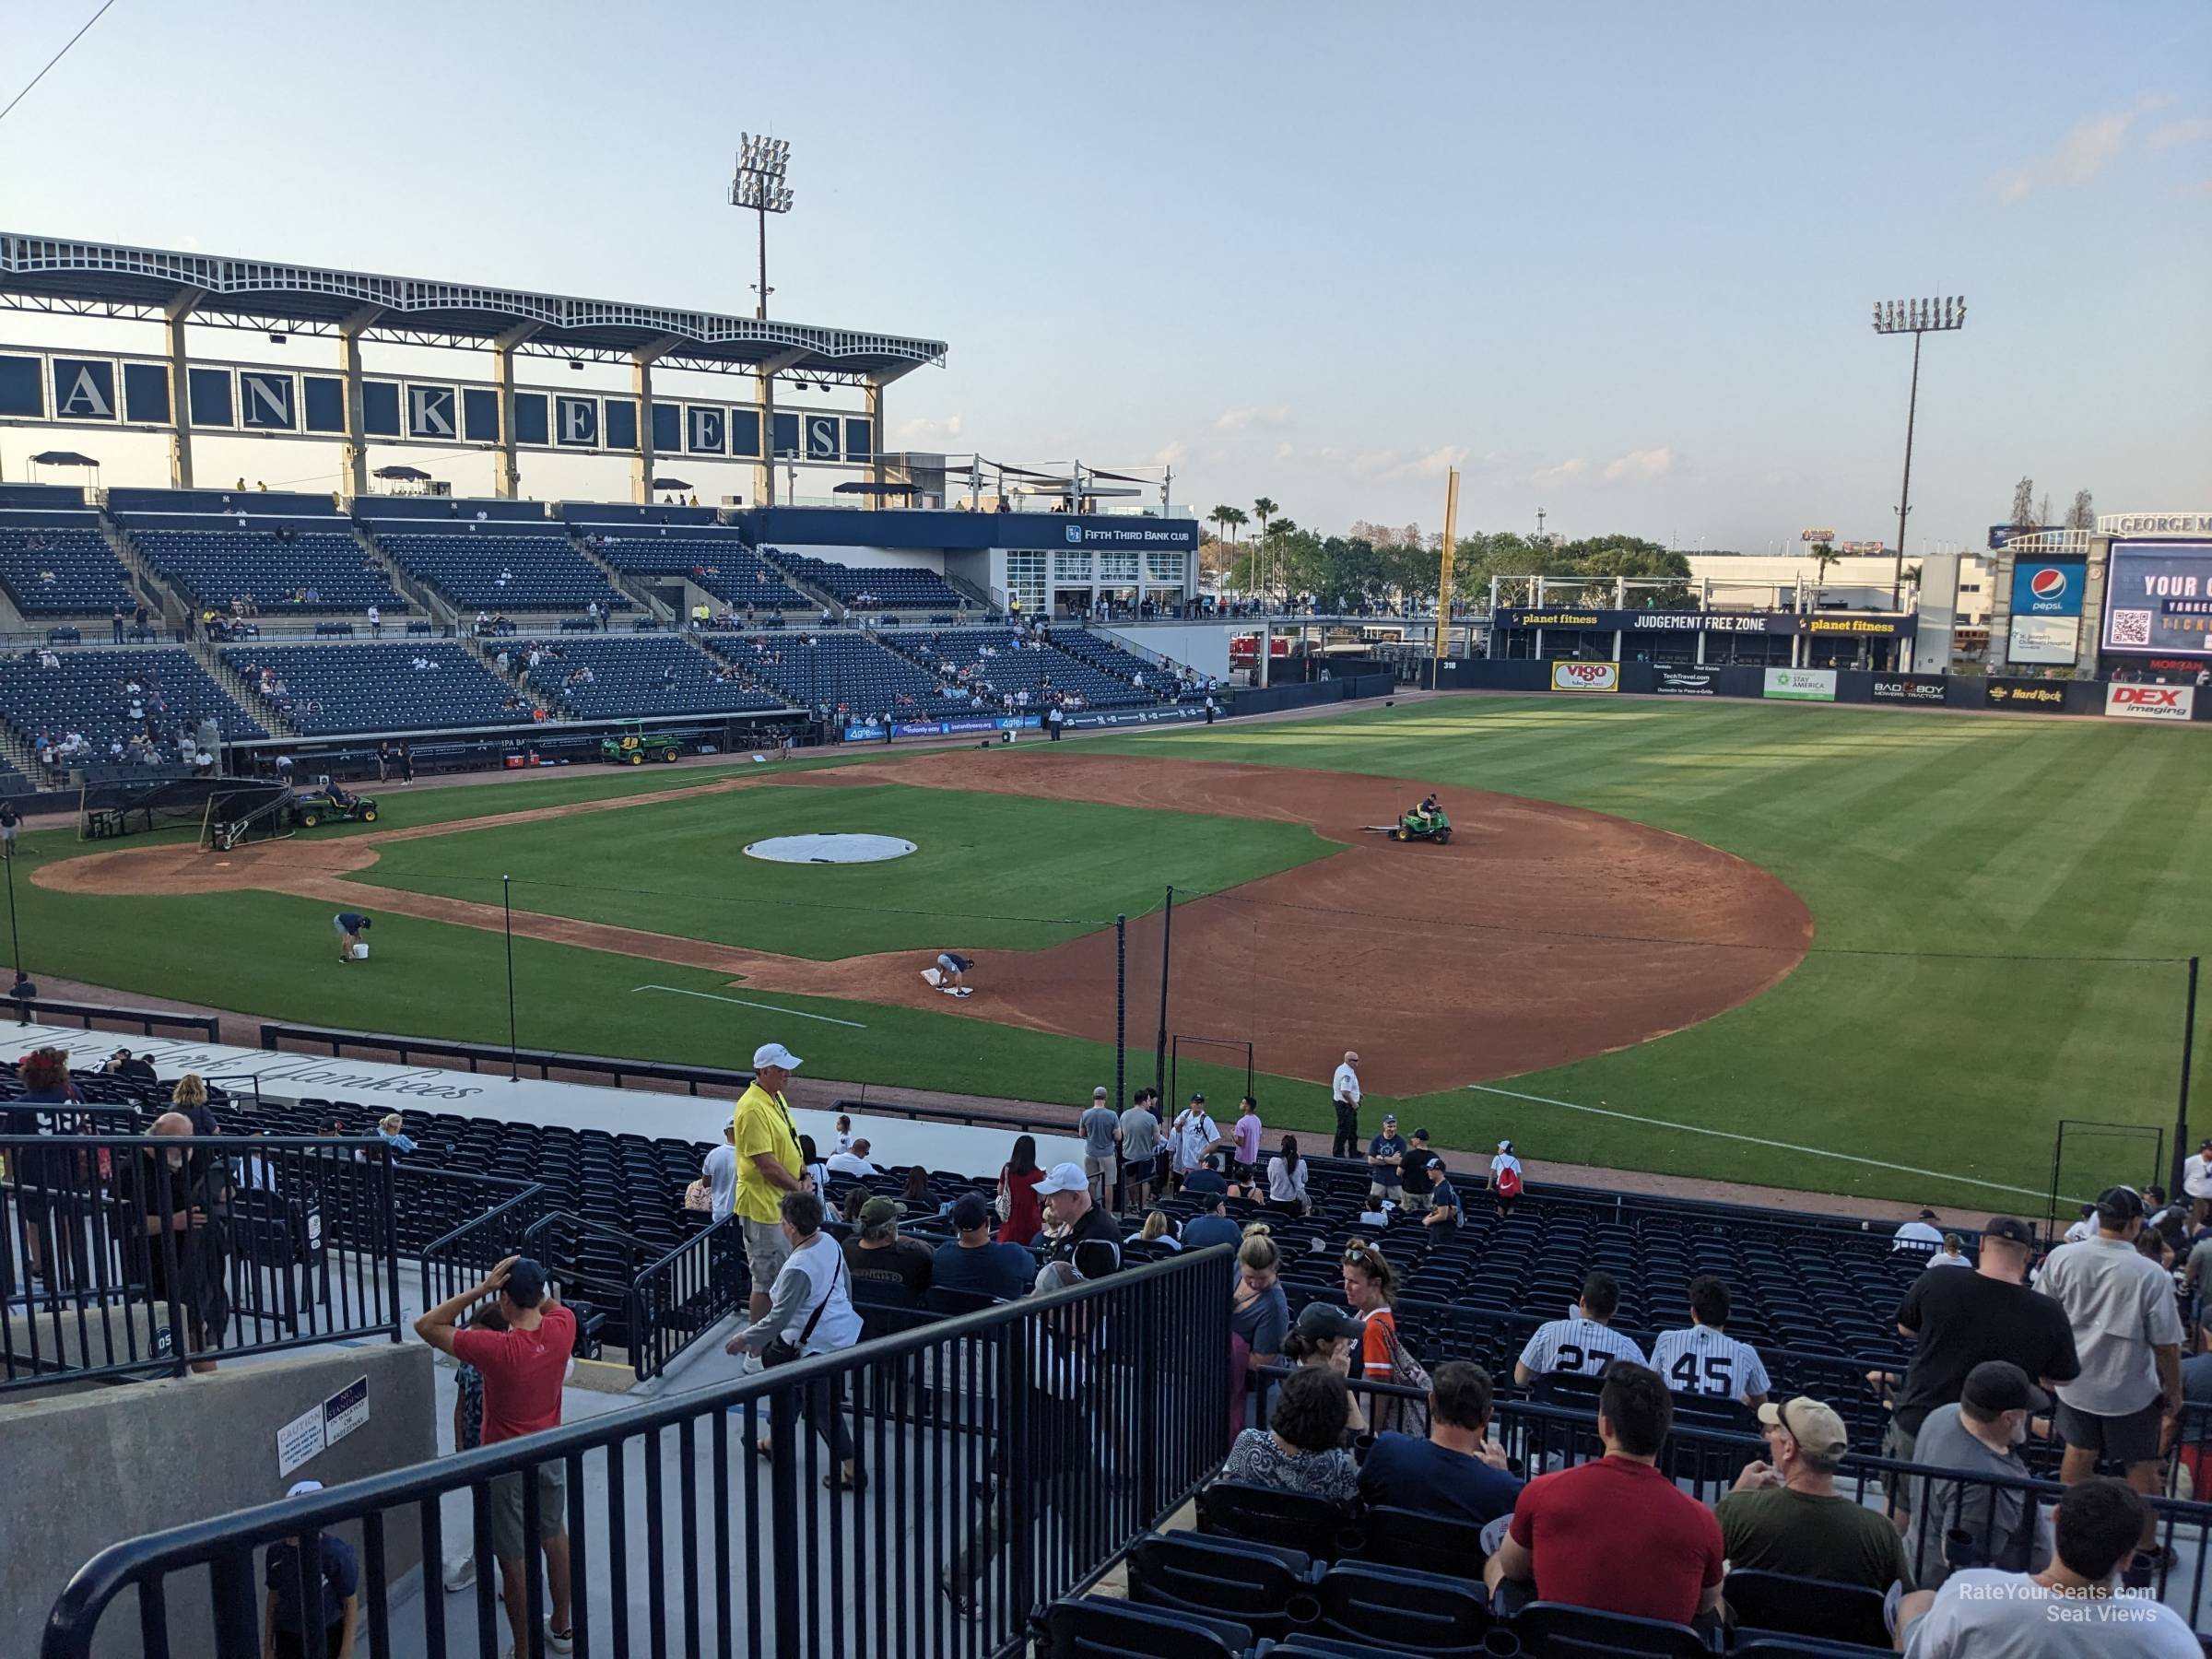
<point>1109,1167</point>
<point>1897,1446</point>
<point>765,1250</point>
<point>507,1508</point>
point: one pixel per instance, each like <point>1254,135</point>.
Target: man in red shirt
<point>525,1367</point>
<point>1616,1534</point>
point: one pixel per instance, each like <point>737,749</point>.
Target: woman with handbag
<point>1370,1287</point>
<point>809,1311</point>
<point>1020,1211</point>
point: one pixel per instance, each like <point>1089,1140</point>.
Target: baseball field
<point>1858,952</point>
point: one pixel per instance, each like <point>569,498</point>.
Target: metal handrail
<point>226,1542</point>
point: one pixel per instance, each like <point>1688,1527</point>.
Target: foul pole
<point>1444,566</point>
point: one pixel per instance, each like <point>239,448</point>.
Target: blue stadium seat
<point>376,686</point>
<point>1114,1630</point>
<point>1426,1543</point>
<point>719,562</point>
<point>1554,1631</point>
<point>1784,1603</point>
<point>836,668</point>
<point>599,676</point>
<point>88,692</point>
<point>500,569</point>
<point>1399,1609</point>
<point>873,587</point>
<point>1268,1515</point>
<point>287,567</point>
<point>1264,1589</point>
<point>1003,662</point>
<point>59,564</point>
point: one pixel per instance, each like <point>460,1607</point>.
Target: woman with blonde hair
<point>1258,1310</point>
<point>1156,1230</point>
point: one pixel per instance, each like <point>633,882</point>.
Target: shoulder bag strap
<point>806,1335</point>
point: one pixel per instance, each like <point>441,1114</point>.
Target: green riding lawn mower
<point>1415,824</point>
<point>636,746</point>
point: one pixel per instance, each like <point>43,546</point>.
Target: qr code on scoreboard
<point>2131,628</point>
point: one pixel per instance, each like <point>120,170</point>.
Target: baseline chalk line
<point>739,1001</point>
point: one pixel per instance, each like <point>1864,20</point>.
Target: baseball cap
<point>775,1053</point>
<point>1099,1093</point>
<point>1814,1427</point>
<point>1420,1135</point>
<point>2010,1229</point>
<point>526,1283</point>
<point>2117,1205</point>
<point>876,1211</point>
<point>970,1212</point>
<point>1062,1178</point>
<point>2000,1386</point>
<point>301,1488</point>
<point>1390,1117</point>
<point>1197,1098</point>
<point>1325,1321</point>
<point>1505,1147</point>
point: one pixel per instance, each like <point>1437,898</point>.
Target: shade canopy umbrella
<point>402,474</point>
<point>62,458</point>
<point>671,484</point>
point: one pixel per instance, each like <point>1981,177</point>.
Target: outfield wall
<point>2167,703</point>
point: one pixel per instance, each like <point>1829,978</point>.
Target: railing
<point>149,1022</point>
<point>466,1252</point>
<point>598,1267</point>
<point>1011,1453</point>
<point>688,1291</point>
<point>120,1264</point>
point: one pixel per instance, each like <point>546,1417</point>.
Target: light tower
<point>1915,317</point>
<point>762,164</point>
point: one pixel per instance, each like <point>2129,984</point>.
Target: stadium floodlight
<point>763,164</point>
<point>1915,317</point>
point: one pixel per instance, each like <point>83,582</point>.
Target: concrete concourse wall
<point>86,1470</point>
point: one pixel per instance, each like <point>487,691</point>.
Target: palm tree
<point>1266,510</point>
<point>1219,517</point>
<point>1824,557</point>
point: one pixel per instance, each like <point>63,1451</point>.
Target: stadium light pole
<point>1915,317</point>
<point>762,164</point>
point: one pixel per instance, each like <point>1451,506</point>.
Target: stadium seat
<point>890,587</point>
<point>1182,1572</point>
<point>1785,1604</point>
<point>1011,664</point>
<point>87,692</point>
<point>375,687</point>
<point>1760,1644</point>
<point>635,677</point>
<point>834,669</point>
<point>1554,1631</point>
<point>1435,1544</point>
<point>500,569</point>
<point>1114,1630</point>
<point>303,566</point>
<point>1397,1607</point>
<point>1319,1528</point>
<point>59,564</point>
<point>717,561</point>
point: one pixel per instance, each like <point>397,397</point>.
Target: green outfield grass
<point>1964,874</point>
<point>990,871</point>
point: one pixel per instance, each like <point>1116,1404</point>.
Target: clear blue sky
<point>1618,261</point>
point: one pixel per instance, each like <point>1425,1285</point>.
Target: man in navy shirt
<point>350,924</point>
<point>973,1262</point>
<point>1458,1472</point>
<point>1211,1225</point>
<point>1384,1155</point>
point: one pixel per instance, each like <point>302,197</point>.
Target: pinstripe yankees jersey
<point>1701,1360</point>
<point>1580,1347</point>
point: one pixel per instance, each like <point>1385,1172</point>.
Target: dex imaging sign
<point>2150,703</point>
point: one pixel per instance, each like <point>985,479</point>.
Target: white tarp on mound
<point>830,849</point>
<point>374,1087</point>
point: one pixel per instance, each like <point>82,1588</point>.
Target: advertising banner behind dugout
<point>1585,676</point>
<point>1687,682</point>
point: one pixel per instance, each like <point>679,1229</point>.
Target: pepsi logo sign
<point>2047,584</point>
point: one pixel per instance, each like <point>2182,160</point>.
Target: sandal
<point>840,1482</point>
<point>963,1601</point>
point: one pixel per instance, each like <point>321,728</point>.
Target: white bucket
<point>360,953</point>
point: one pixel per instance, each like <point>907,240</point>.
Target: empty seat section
<point>720,563</point>
<point>992,662</point>
<point>874,587</point>
<point>303,566</point>
<point>88,692</point>
<point>834,670</point>
<point>598,677</point>
<point>420,684</point>
<point>58,564</point>
<point>501,571</point>
<point>1109,657</point>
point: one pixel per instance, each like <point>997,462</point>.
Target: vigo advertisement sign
<point>1801,685</point>
<point>2150,703</point>
<point>1585,676</point>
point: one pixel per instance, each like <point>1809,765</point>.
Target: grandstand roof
<point>89,278</point>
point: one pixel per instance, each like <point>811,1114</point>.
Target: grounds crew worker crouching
<point>768,1167</point>
<point>351,925</point>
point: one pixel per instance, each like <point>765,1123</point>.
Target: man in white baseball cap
<point>1093,1241</point>
<point>317,1611</point>
<point>769,1165</point>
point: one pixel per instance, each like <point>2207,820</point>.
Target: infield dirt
<point>1542,935</point>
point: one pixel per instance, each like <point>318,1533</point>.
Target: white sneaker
<point>460,1575</point>
<point>559,1644</point>
<point>750,1365</point>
